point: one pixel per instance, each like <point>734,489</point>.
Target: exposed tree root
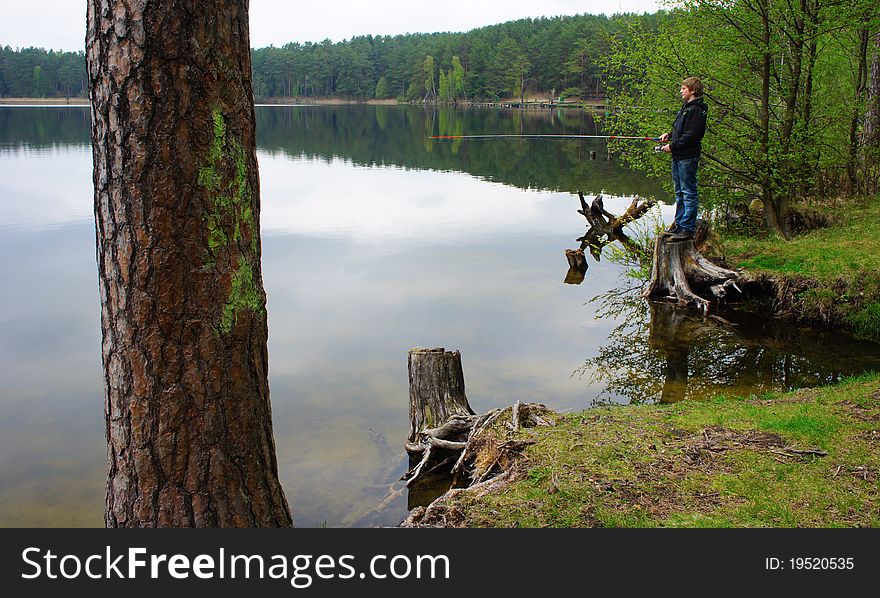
<point>487,463</point>
<point>605,227</point>
<point>478,452</point>
<point>680,272</point>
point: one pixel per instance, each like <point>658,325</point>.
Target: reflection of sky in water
<point>342,200</point>
<point>51,433</point>
<point>374,262</point>
<point>45,187</point>
<point>360,265</point>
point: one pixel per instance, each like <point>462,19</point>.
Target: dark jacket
<point>688,130</point>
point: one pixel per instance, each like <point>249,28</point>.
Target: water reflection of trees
<point>399,135</point>
<point>658,353</point>
<point>44,126</point>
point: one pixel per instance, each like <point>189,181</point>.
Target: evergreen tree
<point>183,318</point>
<point>381,88</point>
<point>38,81</point>
<point>428,67</point>
<point>444,87</point>
<point>456,79</point>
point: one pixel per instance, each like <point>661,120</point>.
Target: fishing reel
<point>658,148</point>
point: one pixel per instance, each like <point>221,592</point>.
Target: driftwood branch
<point>604,228</point>
<point>793,452</point>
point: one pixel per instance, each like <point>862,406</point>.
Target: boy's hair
<point>694,84</point>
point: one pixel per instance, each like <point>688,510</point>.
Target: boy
<point>684,143</point>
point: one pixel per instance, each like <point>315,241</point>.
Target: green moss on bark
<point>244,295</point>
<point>230,218</point>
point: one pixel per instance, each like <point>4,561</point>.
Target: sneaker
<point>672,230</point>
<point>681,235</point>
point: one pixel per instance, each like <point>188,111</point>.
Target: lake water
<point>375,240</point>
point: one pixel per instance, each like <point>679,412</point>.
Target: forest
<point>559,56</point>
<point>39,73</point>
<point>556,56</point>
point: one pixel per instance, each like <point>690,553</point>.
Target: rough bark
<point>436,389</point>
<point>871,130</point>
<point>183,318</point>
<point>858,110</point>
<point>680,272</point>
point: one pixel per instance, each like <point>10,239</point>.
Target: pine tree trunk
<point>188,420</point>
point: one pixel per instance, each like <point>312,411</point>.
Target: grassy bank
<point>829,275</point>
<point>804,459</point>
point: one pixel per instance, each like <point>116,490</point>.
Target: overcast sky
<point>60,24</point>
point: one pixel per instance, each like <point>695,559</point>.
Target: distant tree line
<point>559,56</point>
<point>39,73</point>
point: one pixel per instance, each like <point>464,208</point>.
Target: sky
<point>60,24</point>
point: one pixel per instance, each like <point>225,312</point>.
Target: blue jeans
<point>684,179</point>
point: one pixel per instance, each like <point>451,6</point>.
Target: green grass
<point>865,322</point>
<point>726,462</point>
<point>832,274</point>
<point>845,250</point>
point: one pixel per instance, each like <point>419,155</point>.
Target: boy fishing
<point>684,143</point>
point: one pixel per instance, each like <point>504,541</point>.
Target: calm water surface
<point>375,240</point>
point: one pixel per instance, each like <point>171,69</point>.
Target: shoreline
<point>44,101</point>
<point>804,458</point>
<point>535,102</point>
<point>530,104</point>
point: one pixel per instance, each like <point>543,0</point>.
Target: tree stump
<point>445,435</point>
<point>577,266</point>
<point>436,389</point>
<point>440,417</point>
<point>680,273</point>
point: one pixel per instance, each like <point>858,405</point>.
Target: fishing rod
<point>557,136</point>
